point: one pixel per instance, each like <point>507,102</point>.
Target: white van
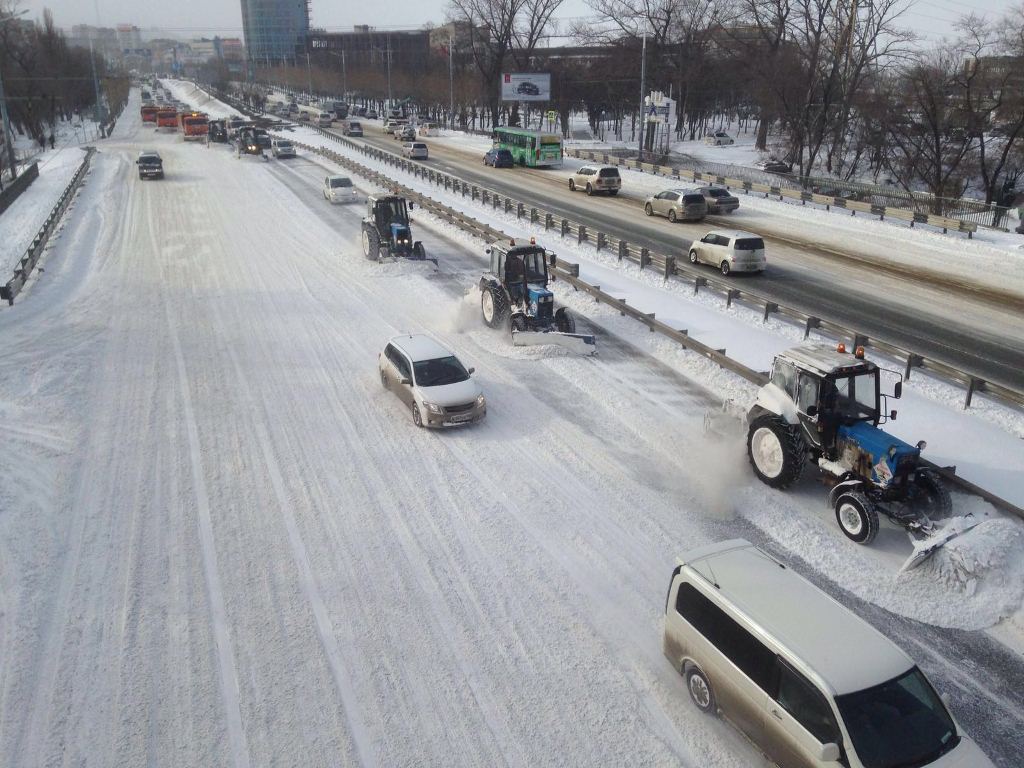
<point>324,120</point>
<point>810,683</point>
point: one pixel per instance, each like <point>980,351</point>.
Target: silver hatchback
<point>730,250</point>
<point>677,205</point>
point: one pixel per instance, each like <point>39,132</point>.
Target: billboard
<point>526,86</point>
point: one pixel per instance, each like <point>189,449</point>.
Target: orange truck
<point>195,126</point>
<point>167,118</point>
<point>148,113</point>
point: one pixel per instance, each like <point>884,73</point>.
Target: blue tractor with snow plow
<point>824,406</point>
<point>387,233</point>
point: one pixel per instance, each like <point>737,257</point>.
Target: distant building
<point>129,37</point>
<point>365,47</point>
<point>275,30</point>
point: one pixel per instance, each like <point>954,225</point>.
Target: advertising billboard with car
<point>526,86</point>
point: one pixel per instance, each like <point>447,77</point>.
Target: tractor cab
<point>523,270</point>
<point>390,215</point>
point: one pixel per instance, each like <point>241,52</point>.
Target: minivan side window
<point>806,704</point>
<point>741,648</point>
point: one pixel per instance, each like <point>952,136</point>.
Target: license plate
<point>460,419</point>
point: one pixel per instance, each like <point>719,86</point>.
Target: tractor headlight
<point>480,402</point>
<point>433,408</point>
<point>892,451</point>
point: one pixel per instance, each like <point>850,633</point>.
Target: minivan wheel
<point>672,215</point>
<point>725,268</point>
<point>590,190</point>
<point>417,419</point>
<point>648,210</point>
<point>572,185</point>
<point>384,380</point>
<point>700,690</point>
<point>693,256</point>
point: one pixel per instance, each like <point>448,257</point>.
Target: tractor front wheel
<point>493,306</point>
<point>776,451</point>
<point>857,517</point>
<point>931,497</point>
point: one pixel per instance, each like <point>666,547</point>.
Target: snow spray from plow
<point>932,541</point>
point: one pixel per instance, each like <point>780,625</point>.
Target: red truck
<point>148,113</point>
<point>195,126</point>
<point>167,118</point>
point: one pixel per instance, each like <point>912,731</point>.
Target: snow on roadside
<point>23,219</point>
<point>199,99</point>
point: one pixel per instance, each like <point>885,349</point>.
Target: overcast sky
<point>186,18</point>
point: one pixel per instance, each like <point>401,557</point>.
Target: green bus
<point>531,148</point>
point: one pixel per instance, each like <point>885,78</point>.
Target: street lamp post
<point>451,81</point>
<point>8,134</point>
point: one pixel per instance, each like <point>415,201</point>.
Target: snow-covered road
<point>222,543</point>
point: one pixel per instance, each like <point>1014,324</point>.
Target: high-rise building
<point>275,30</point>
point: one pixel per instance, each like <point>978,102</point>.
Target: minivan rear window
<point>694,199</point>
<point>750,244</point>
<point>743,649</point>
<point>609,173</point>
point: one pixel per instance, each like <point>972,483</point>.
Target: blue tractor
<point>824,406</point>
<point>514,293</point>
<point>386,230</point>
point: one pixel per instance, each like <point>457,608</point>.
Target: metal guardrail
<point>569,272</point>
<point>668,266</point>
<point>944,223</point>
<point>13,286</point>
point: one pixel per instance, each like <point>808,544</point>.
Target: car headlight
<point>433,408</point>
<point>480,402</point>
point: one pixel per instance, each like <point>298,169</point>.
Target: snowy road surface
<point>222,543</point>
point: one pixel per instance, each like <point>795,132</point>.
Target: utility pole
<point>643,86</point>
<point>451,80</point>
<point>309,75</point>
<point>344,76</point>
<point>389,72</point>
<point>92,59</point>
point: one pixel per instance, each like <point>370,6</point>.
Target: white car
<point>339,189</point>
<point>719,139</point>
<point>730,250</point>
<point>282,148</point>
<point>414,150</point>
<point>429,379</point>
<point>304,115</point>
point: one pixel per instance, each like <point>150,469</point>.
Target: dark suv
<point>151,165</point>
<point>499,158</point>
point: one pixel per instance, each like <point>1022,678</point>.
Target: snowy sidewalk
<point>20,223</point>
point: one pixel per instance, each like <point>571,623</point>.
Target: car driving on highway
<point>151,165</point>
<point>353,128</point>
<point>282,148</point>
<point>431,381</point>
<point>499,158</point>
<point>719,199</point>
<point>339,189</point>
<point>730,250</point>
<point>677,205</point>
<point>596,178</point>
<point>414,150</point>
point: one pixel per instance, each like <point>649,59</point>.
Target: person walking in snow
<point>52,141</point>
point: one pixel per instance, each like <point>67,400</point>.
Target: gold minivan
<point>810,683</point>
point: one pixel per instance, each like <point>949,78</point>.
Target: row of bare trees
<point>45,79</point>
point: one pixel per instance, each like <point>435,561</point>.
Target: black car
<point>218,131</point>
<point>151,165</point>
<point>527,89</point>
<point>499,158</point>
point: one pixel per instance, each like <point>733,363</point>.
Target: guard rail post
<point>623,250</point>
<point>581,234</point>
<point>645,257</point>
<point>670,267</point>
<point>600,241</point>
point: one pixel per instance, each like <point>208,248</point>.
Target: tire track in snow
<point>325,628</point>
<point>225,655</point>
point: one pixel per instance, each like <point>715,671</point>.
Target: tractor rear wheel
<point>565,322</point>
<point>493,306</point>
<point>857,517</point>
<point>776,451</point>
<point>371,244</point>
<point>931,496</point>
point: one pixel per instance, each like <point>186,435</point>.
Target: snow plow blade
<point>579,343</point>
<point>925,548</point>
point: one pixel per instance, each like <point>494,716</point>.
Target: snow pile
<point>989,558</point>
